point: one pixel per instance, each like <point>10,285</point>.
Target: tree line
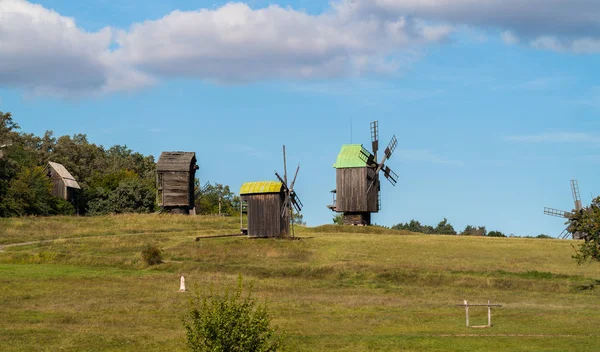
<point>112,180</point>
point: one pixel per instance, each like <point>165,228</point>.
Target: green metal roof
<point>352,155</point>
<point>261,187</point>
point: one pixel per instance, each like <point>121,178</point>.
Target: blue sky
<point>496,105</point>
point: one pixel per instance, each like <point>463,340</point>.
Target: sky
<point>495,104</point>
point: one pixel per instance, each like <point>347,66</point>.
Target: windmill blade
<point>294,180</point>
<point>576,195</point>
<point>557,212</point>
<point>296,201</point>
<point>390,175</point>
<point>285,187</point>
<point>391,147</point>
<point>375,138</point>
<point>565,233</point>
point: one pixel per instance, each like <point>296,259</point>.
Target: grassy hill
<point>78,283</point>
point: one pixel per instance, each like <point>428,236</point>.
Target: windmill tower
<point>357,192</point>
<point>566,214</point>
<point>270,205</point>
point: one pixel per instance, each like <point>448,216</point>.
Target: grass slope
<point>80,285</point>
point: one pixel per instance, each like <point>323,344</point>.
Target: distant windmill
<point>566,214</point>
<point>270,205</point>
<point>357,179</point>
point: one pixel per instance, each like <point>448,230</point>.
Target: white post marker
<point>182,284</point>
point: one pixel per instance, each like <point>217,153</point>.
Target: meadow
<point>79,284</point>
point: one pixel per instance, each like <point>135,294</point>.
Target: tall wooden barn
<point>175,174</point>
<point>357,194</point>
<point>265,203</point>
<point>64,185</point>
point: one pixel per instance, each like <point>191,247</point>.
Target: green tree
<point>229,322</point>
<point>587,223</point>
<point>29,193</point>
<point>298,219</point>
<point>444,228</point>
<point>217,199</point>
<point>496,234</point>
<point>338,219</point>
<point>474,231</point>
<point>132,195</point>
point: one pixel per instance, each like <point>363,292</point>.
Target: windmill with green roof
<point>357,192</point>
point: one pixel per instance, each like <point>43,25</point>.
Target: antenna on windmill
<point>291,201</point>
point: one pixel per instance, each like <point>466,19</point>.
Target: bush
<point>152,255</point>
<point>229,323</point>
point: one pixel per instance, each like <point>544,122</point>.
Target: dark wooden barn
<point>264,207</point>
<point>175,174</point>
<point>64,185</point>
<point>353,176</point>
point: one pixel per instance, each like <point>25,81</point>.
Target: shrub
<point>229,323</point>
<point>152,255</point>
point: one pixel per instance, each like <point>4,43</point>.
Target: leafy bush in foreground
<point>229,323</point>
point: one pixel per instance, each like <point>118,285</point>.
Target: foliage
<point>216,199</point>
<point>414,226</point>
<point>500,234</point>
<point>229,323</point>
<point>442,228</point>
<point>298,219</point>
<point>113,180</point>
<point>541,236</point>
<point>131,195</point>
<point>587,223</point>
<point>152,255</point>
<point>338,219</point>
<point>474,231</point>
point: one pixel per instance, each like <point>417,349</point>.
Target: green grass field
<point>80,285</point>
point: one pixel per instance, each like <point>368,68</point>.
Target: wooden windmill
<point>175,174</point>
<point>270,205</point>
<point>568,214</point>
<point>357,192</point>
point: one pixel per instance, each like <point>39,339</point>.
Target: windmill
<point>270,205</point>
<point>568,214</point>
<point>358,186</point>
<point>291,199</point>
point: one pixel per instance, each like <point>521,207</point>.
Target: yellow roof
<point>261,187</point>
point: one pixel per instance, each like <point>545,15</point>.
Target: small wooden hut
<point>175,174</point>
<point>353,176</point>
<point>63,183</point>
<point>264,207</point>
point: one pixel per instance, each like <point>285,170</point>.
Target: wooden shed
<point>175,174</point>
<point>63,183</point>
<point>353,176</point>
<point>264,207</point>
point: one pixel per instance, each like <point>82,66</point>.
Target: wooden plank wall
<point>175,189</point>
<point>59,189</point>
<point>352,184</point>
<point>264,215</point>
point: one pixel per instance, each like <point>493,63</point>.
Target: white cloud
<point>235,43</point>
<point>509,38</point>
<point>556,137</point>
<point>575,24</point>
<point>47,53</point>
